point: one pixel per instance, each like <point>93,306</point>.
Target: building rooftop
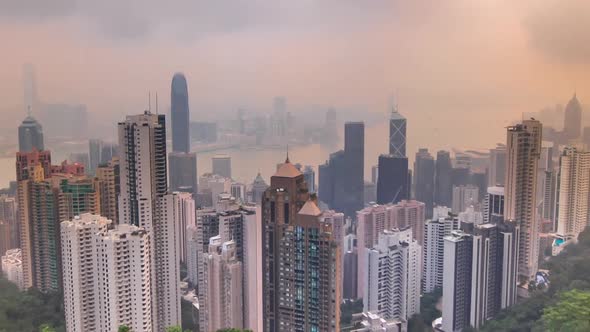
<point>310,208</point>
<point>287,170</point>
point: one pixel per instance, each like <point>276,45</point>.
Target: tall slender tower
<point>572,125</point>
<point>301,259</point>
<point>30,135</point>
<point>523,148</point>
<point>180,114</point>
<point>144,202</point>
<point>397,134</point>
<point>424,169</point>
<point>183,163</point>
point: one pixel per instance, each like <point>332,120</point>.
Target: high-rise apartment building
<point>9,227</point>
<point>30,135</point>
<point>457,281</point>
<point>523,149</point>
<point>144,202</point>
<point>223,291</point>
<point>433,251</point>
<point>221,165</point>
<point>393,280</point>
<point>12,267</point>
<point>79,253</point>
<point>442,185</point>
<point>424,179</point>
<point>463,197</point>
<point>108,176</point>
<point>574,191</point>
<point>186,217</point>
<point>306,298</point>
<point>123,279</point>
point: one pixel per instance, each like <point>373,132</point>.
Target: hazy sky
<point>473,60</point>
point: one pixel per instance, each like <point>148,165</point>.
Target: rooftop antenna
<point>156,103</point>
<point>287,161</point>
<point>29,110</point>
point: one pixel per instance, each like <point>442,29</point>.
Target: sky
<point>455,66</point>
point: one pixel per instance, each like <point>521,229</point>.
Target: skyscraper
<point>523,150</point>
<point>393,290</point>
<point>457,281</point>
<point>258,189</point>
<point>183,171</point>
<point>392,182</point>
<point>574,191</point>
<point>144,203</point>
<point>572,123</point>
<point>424,179</point>
<point>493,210</point>
<point>443,187</point>
<point>341,179</point>
<point>397,134</point>
<point>306,298</point>
<point>30,135</point>
<point>179,112</point>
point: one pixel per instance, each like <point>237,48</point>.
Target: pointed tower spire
<point>287,160</point>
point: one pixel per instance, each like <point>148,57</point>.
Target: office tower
<point>497,167</point>
<point>221,165</point>
<point>94,151</point>
<point>179,112</point>
<point>144,202</point>
<point>108,176</point>
<point>223,291</point>
<point>108,152</point>
<point>457,281</point>
<point>183,171</point>
<point>397,134</point>
<point>463,160</point>
<point>370,193</point>
<point>123,273</point>
<point>443,188</point>
<point>354,151</point>
<point>424,179</point>
<point>10,233</point>
<point>464,196</point>
<point>370,322</point>
<point>433,251</point>
<point>494,205</point>
<point>341,179</point>
<point>12,267</point>
<point>574,191</point>
<point>238,191</point>
<point>350,272</point>
<point>392,288</point>
<point>392,183</point>
<point>79,252</point>
<point>30,135</point>
<point>258,189</point>
<point>278,118</point>
<point>572,122</point>
<point>480,181</point>
<point>294,235</point>
<point>523,148</point>
<point>460,176</point>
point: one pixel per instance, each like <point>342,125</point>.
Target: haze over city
<point>294,165</point>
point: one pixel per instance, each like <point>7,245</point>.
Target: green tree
<point>124,328</point>
<point>46,328</point>
<point>571,313</point>
<point>233,330</point>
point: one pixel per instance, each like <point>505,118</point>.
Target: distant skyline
<point>453,57</point>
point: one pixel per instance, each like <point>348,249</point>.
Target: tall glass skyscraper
<point>397,134</point>
<point>30,135</point>
<point>180,114</point>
